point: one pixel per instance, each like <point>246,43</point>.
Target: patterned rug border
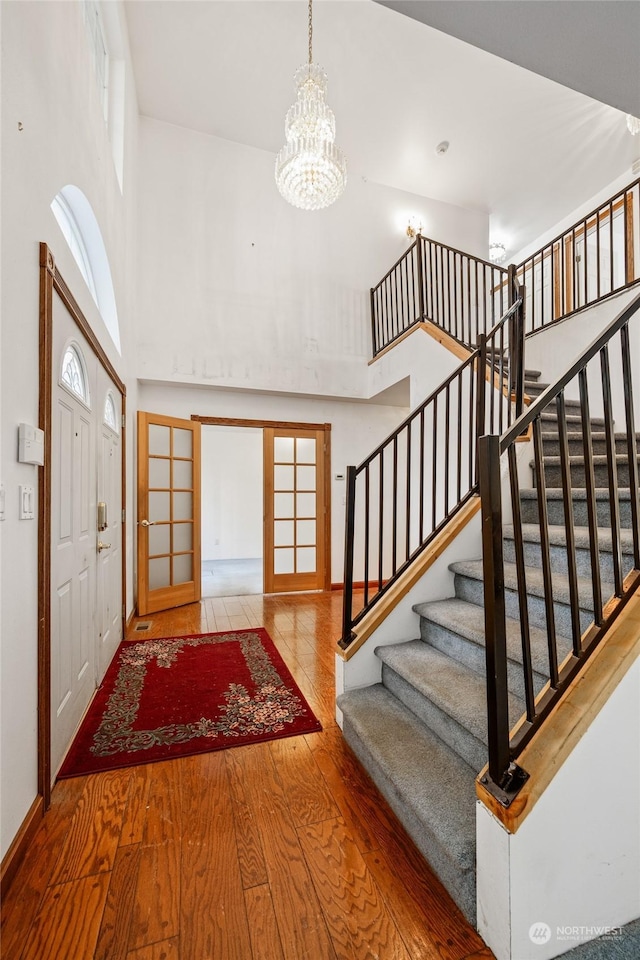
<point>253,718</point>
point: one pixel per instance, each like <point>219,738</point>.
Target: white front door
<point>86,594</point>
<point>109,531</point>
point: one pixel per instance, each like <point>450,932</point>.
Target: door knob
<point>147,523</point>
<point>103,546</point>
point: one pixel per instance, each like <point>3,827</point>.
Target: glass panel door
<point>296,509</point>
<point>168,512</point>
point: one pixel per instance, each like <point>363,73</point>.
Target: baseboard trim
<point>16,852</point>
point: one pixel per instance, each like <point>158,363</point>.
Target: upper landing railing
<point>589,262</point>
<point>465,296</point>
<point>461,294</point>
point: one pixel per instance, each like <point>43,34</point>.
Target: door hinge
<point>123,419</point>
<point>124,612</point>
<point>124,515</point>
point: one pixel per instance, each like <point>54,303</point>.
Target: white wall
<point>48,87</point>
<point>232,495</point>
<point>569,866</point>
<point>238,288</point>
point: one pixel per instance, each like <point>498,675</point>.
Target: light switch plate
<point>27,502</point>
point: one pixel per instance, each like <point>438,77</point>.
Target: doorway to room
<point>232,511</point>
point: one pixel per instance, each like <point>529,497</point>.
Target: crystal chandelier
<point>311,171</point>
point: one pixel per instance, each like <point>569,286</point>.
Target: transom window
<point>73,375</point>
<point>110,416</point>
<point>73,235</point>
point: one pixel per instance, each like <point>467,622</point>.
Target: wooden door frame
<point>174,595</point>
<point>52,281</point>
<point>291,425</point>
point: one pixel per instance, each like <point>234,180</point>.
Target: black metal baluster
<point>545,552</point>
<point>570,537</point>
<point>632,452</point>
<point>347,597</point>
<point>420,280</point>
<point>525,630</point>
<point>473,430</point>
<point>586,266</point>
<point>434,470</point>
<point>381,520</point>
<point>459,447</point>
<point>394,520</point>
<point>367,509</point>
<point>447,434</point>
<point>612,471</point>
<point>590,485</point>
<point>422,490</point>
<point>374,335</point>
<point>611,251</point>
<point>408,493</point>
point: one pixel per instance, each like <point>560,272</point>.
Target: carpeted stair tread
<point>467,620</point>
<point>571,418</point>
<point>599,460</point>
<point>457,691</point>
<point>535,583</point>
<point>428,786</point>
<point>577,493</point>
<point>558,536</point>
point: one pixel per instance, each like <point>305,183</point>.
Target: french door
<point>296,509</point>
<point>169,571</point>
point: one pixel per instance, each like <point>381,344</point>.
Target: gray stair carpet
<point>456,628</point>
<point>469,583</point>
<point>429,787</point>
<point>449,697</point>
<point>422,732</point>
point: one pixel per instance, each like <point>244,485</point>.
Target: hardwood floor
<point>277,851</point>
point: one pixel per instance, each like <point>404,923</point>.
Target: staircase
<point>422,732</point>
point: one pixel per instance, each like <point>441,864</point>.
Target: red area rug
<point>184,695</point>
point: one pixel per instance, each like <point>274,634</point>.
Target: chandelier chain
<point>310,34</point>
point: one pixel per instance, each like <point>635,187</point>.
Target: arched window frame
<point>81,230</point>
<point>75,240</point>
<point>110,408</point>
<point>83,395</point>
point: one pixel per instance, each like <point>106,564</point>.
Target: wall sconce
<point>414,227</point>
<point>497,252</point>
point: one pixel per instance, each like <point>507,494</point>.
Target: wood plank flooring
<point>277,851</point>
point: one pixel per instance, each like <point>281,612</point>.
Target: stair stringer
<point>566,856</point>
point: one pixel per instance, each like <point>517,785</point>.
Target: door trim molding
<point>276,424</point>
<point>52,281</point>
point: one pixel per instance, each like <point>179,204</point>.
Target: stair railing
<point>406,491</point>
<point>594,380</point>
<point>588,262</point>
<point>461,294</point>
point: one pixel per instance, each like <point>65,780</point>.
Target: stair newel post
<point>481,392</point>
<point>374,326</point>
<point>347,597</point>
<point>516,340</point>
<point>494,608</point>
<point>420,277</point>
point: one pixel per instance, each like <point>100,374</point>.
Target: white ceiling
<point>523,148</point>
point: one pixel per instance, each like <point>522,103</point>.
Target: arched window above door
<point>73,374</point>
<point>81,230</point>
<point>110,416</point>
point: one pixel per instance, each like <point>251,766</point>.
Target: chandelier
<point>311,171</point>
